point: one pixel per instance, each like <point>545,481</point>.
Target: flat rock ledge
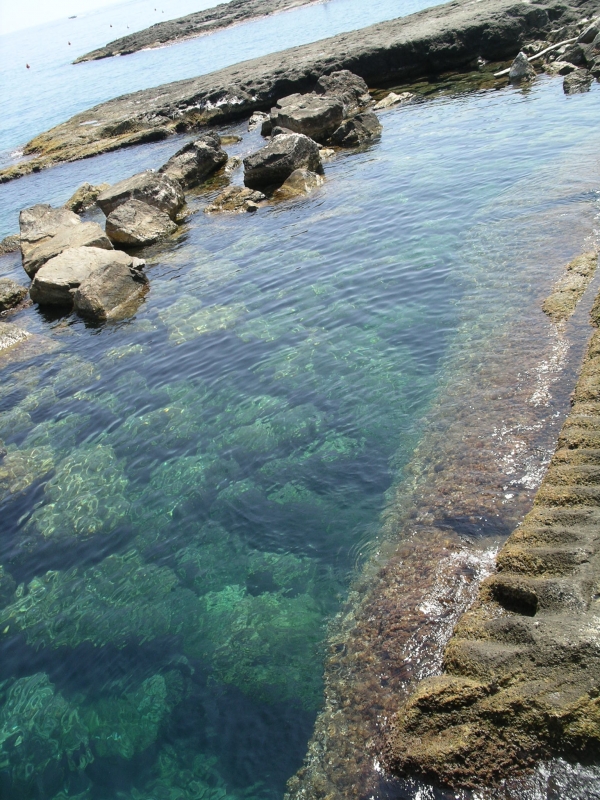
<point>521,673</point>
<point>439,39</point>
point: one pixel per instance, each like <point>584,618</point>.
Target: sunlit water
<point>185,496</point>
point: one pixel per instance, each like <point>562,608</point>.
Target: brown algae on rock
<point>570,287</point>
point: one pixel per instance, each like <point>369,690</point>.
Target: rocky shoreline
<point>454,36</point>
<point>198,24</point>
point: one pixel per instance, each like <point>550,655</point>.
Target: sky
<point>18,14</point>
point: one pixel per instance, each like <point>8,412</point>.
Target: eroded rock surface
<point>357,130</point>
<point>275,162</point>
<point>11,335</point>
<point>578,81</point>
<point>85,197</point>
<point>11,293</point>
<point>522,669</point>
<point>10,244</point>
<point>316,116</point>
<point>346,86</point>
<point>156,190</point>
<point>236,199</point>
<point>521,69</point>
<point>300,183</point>
<point>135,223</point>
<point>196,161</point>
<point>569,289</point>
<point>111,292</point>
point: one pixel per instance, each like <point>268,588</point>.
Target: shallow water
<point>202,481</point>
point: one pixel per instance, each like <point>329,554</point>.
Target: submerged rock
<point>358,130</point>
<point>349,88</point>
<point>393,99</point>
<point>149,187</point>
<point>85,197</point>
<point>196,161</point>
<point>46,232</point>
<point>271,165</point>
<point>11,335</point>
<point>236,199</point>
<point>135,223</point>
<point>300,182</point>
<point>11,293</point>
<point>54,282</point>
<point>578,82</point>
<point>10,244</point>
<point>111,292</point>
<point>521,69</point>
<point>316,116</point>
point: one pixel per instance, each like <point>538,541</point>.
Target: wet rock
<point>236,199</point>
<point>349,88</point>
<point>559,68</point>
<point>595,69</point>
<point>196,161</point>
<point>569,289</point>
<point>156,190</point>
<point>11,335</point>
<point>54,282</point>
<point>574,54</point>
<point>358,130</point>
<point>10,244</point>
<point>85,197</point>
<point>591,52</point>
<point>327,152</point>
<point>11,293</point>
<point>278,130</point>
<point>46,232</point>
<point>316,116</point>
<point>521,69</point>
<point>271,165</point>
<point>135,223</point>
<point>578,82</point>
<point>111,292</point>
<point>589,34</point>
<point>257,119</point>
<point>393,99</point>
<point>300,182</point>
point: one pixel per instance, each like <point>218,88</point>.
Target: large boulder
<point>311,114</point>
<point>111,292</point>
<point>358,130</point>
<point>85,197</point>
<point>46,232</point>
<point>196,161</point>
<point>149,187</point>
<point>351,89</point>
<point>521,69</point>
<point>54,283</point>
<point>275,162</point>
<point>11,293</point>
<point>235,200</point>
<point>577,82</point>
<point>135,224</point>
<point>301,182</point>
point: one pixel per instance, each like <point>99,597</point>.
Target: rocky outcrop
<point>316,116</point>
<point>111,292</point>
<point>85,197</point>
<point>46,232</point>
<point>521,70</point>
<point>54,283</point>
<point>275,162</point>
<point>196,161</point>
<point>442,38</point>
<point>521,671</point>
<point>346,86</point>
<point>358,130</point>
<point>135,224</point>
<point>11,293</point>
<point>156,190</point>
<point>578,81</point>
<point>237,200</point>
<point>301,182</point>
<point>569,289</point>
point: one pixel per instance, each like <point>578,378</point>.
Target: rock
<point>229,138</point>
<point>595,69</point>
<point>149,187</point>
<point>300,182</point>
<point>11,335</point>
<point>111,292</point>
<point>393,99</point>
<point>196,161</point>
<point>266,128</point>
<point>10,244</point>
<point>257,119</point>
<point>135,224</point>
<point>574,54</point>
<point>85,197</point>
<point>578,82</point>
<point>278,130</point>
<point>327,152</point>
<point>236,199</point>
<point>54,282</point>
<point>358,130</point>
<point>46,232</point>
<point>313,115</point>
<point>559,68</point>
<point>11,293</point>
<point>351,89</point>
<point>521,69</point>
<point>271,165</point>
<point>591,52</point>
<point>589,34</point>
<point>233,163</point>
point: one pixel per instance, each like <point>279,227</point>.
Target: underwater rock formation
<point>301,182</point>
<point>11,335</point>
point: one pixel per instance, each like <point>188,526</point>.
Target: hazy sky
<point>17,14</point>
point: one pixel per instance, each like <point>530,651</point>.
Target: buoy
<point>69,43</point>
<point>27,65</point>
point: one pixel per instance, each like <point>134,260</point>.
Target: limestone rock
<point>257,119</point>
<point>574,54</point>
<point>196,161</point>
<point>351,89</point>
<point>10,244</point>
<point>313,115</point>
<point>85,197</point>
<point>11,335</point>
<point>236,199</point>
<point>11,293</point>
<point>358,130</point>
<point>578,82</point>
<point>46,232</point>
<point>559,68</point>
<point>135,223</point>
<point>110,292</point>
<point>271,165</point>
<point>589,34</point>
<point>327,152</point>
<point>54,282</point>
<point>393,99</point>
<point>149,187</point>
<point>521,69</point>
<point>300,182</point>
